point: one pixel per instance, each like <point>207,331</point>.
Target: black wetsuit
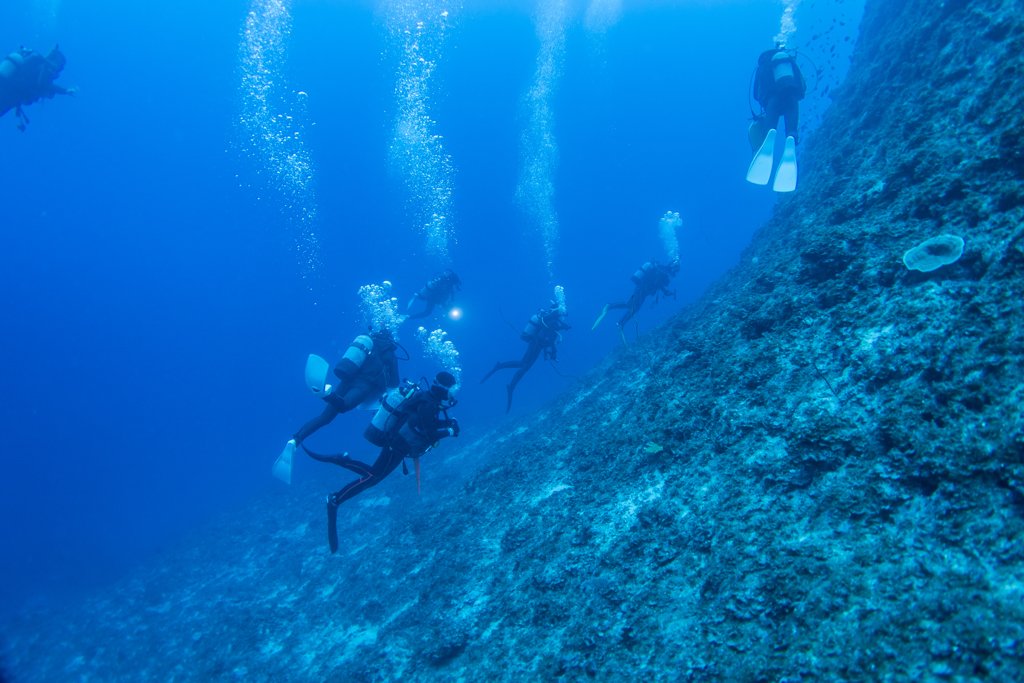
<point>654,281</point>
<point>26,77</point>
<point>437,292</point>
<point>418,427</point>
<point>378,372</point>
<point>542,341</point>
<point>779,98</point>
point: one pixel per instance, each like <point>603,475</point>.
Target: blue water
<point>161,293</point>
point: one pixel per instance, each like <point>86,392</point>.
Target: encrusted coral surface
<point>817,474</point>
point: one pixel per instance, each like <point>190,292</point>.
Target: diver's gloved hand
<point>454,429</point>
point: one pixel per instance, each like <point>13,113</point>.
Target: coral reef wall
<point>816,473</point>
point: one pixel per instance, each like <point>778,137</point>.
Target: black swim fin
<point>336,459</point>
<point>497,366</point>
<point>509,406</point>
<point>332,525</point>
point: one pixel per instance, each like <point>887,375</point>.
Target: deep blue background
<point>156,319</point>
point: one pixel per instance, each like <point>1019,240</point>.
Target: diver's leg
<point>321,420</point>
<point>415,296</point>
<point>636,302</point>
<point>341,460</point>
<point>353,488</point>
<point>792,114</point>
<point>426,311</point>
<point>788,171</point>
<point>772,112</point>
<point>336,405</point>
<point>334,500</point>
<point>384,465</point>
<point>532,352</point>
<point>357,392</point>
<point>501,366</point>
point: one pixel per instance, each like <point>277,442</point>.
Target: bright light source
<point>455,313</point>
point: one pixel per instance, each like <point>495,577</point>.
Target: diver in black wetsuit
<point>542,333</point>
<point>651,279</point>
<point>26,76</point>
<point>411,428</point>
<point>778,87</point>
<point>437,292</point>
<point>368,368</point>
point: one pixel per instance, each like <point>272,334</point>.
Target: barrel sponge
<point>934,253</point>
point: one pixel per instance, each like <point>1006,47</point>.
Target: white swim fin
<point>316,374</point>
<point>283,465</point>
<point>761,167</point>
<point>785,177</point>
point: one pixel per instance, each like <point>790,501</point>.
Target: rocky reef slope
<point>817,472</point>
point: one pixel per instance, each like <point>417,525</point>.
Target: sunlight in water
<point>455,314</point>
<point>271,123</point>
<point>536,189</point>
<point>416,31</point>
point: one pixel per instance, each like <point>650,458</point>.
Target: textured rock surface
<point>818,474</point>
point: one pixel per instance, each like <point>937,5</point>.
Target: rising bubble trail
<point>416,31</point>
<point>602,15</point>
<point>271,123</point>
<point>441,351</point>
<point>788,22</point>
<point>379,308</point>
<point>667,227</point>
<point>560,300</point>
<point>536,191</point>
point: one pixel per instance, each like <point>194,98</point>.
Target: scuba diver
<point>778,87</point>
<point>651,279</point>
<point>368,369</point>
<point>407,425</point>
<point>26,76</point>
<point>542,333</point>
<point>437,292</point>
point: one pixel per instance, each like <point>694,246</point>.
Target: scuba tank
<point>10,64</point>
<point>787,75</point>
<point>390,404</point>
<point>782,67</point>
<point>642,272</point>
<point>355,355</point>
<point>532,328</point>
<point>358,350</point>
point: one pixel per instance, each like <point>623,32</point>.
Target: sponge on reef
<point>934,253</point>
